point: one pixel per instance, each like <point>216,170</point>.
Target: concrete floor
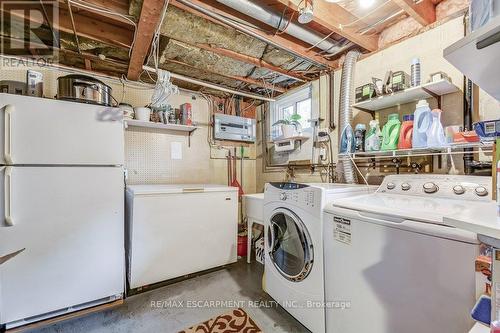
<point>238,282</point>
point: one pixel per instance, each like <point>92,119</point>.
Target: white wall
<point>147,151</point>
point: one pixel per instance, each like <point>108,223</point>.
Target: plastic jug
<point>435,133</point>
<point>421,123</point>
<point>390,133</point>
<point>406,133</point>
<point>372,140</point>
<point>359,137</point>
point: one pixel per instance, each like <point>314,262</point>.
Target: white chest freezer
<point>175,230</point>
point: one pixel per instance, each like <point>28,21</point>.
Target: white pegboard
<point>147,151</point>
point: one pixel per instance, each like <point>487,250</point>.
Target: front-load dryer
<point>393,266</point>
<point>294,246</point>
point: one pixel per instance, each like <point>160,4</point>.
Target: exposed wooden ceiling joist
<point>248,60</point>
<point>331,17</point>
<point>248,80</point>
<point>87,27</point>
<point>291,45</point>
<point>423,12</point>
<point>148,22</point>
<point>101,8</point>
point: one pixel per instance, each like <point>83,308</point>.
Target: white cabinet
<point>174,230</point>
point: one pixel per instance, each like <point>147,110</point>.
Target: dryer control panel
<point>301,195</point>
<point>475,188</point>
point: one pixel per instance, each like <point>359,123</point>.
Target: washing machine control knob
<point>391,186</point>
<point>458,189</point>
<point>481,191</point>
<point>283,196</point>
<point>405,187</point>
<point>430,187</point>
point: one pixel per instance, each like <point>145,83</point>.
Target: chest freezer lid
<point>430,210</point>
<point>178,188</point>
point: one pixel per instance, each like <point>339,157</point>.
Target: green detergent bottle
<point>390,133</point>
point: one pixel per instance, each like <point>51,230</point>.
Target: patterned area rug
<point>236,321</point>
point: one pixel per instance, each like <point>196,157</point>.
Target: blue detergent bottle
<point>421,123</point>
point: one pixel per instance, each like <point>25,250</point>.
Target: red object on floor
<point>242,246</point>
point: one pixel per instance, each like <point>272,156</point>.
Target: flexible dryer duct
<point>346,115</point>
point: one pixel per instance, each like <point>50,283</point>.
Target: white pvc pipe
<point>212,85</point>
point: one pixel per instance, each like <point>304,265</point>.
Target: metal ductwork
<point>346,115</point>
<point>276,21</point>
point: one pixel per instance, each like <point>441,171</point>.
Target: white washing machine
<point>392,266</point>
<point>294,249</point>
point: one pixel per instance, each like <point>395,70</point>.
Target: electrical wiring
<point>107,11</point>
<point>341,26</point>
<point>321,41</point>
<point>163,84</point>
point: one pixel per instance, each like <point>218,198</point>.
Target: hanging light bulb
<point>306,13</point>
<point>366,3</point>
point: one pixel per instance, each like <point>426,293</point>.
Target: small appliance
<point>84,89</point>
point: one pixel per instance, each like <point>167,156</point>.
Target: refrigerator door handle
<point>9,109</point>
<point>8,196</point>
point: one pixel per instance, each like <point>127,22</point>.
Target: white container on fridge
<point>175,230</point>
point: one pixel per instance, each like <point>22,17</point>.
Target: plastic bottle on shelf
<point>406,133</point>
<point>359,137</point>
<point>390,133</point>
<point>421,123</point>
<point>372,140</point>
<point>435,133</point>
<point>415,72</point>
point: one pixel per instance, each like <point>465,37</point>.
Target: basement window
<point>298,102</point>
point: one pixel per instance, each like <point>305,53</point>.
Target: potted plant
<point>289,126</point>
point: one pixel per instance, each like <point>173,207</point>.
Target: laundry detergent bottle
<point>406,133</point>
<point>435,133</point>
<point>421,123</point>
<point>372,140</point>
<point>390,133</point>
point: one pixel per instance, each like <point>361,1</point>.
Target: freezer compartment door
<point>68,224</point>
<point>43,131</point>
<point>172,235</point>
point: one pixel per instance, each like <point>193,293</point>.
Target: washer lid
<point>430,210</point>
<point>344,188</point>
<point>178,188</point>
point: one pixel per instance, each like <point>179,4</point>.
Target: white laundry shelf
<point>168,127</point>
<point>413,94</point>
<point>454,148</point>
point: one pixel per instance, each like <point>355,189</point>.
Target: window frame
<point>285,101</point>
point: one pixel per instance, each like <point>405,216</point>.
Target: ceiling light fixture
<point>366,3</point>
<point>306,13</point>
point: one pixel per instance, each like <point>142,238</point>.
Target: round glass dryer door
<point>290,245</point>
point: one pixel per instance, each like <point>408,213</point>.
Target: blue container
<point>488,129</point>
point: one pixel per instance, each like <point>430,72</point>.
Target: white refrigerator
<point>61,208</point>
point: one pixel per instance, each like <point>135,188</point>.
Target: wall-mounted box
<point>234,128</point>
